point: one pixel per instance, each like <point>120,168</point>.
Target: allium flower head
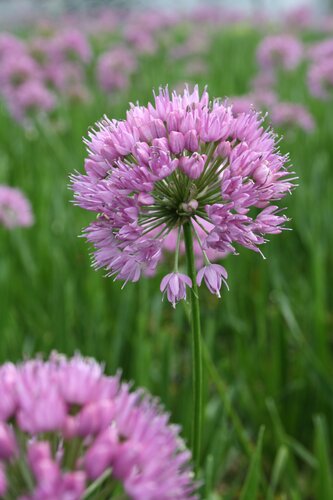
<point>115,67</point>
<point>71,44</point>
<point>15,209</point>
<point>68,424</point>
<point>280,50</point>
<point>17,69</point>
<point>30,99</point>
<point>321,50</point>
<point>184,159</point>
<point>10,44</point>
<point>320,78</point>
<point>287,113</point>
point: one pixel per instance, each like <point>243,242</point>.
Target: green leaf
<point>324,476</point>
<point>251,486</point>
<point>278,467</point>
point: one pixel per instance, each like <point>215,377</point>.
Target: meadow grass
<point>267,342</point>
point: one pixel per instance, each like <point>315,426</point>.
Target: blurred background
<point>268,341</point>
<point>18,10</point>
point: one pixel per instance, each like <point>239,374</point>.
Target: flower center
<point>178,197</point>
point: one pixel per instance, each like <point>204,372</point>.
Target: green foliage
<point>251,486</point>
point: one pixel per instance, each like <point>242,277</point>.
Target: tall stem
<point>196,346</point>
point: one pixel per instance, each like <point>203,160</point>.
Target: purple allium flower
<point>281,50</point>
<point>242,104</point>
<point>182,160</point>
<point>321,50</point>
<point>62,75</point>
<point>115,67</point>
<point>196,67</point>
<point>30,99</point>
<point>320,78</point>
<point>213,274</point>
<point>15,210</point>
<point>69,424</point>
<point>300,17</point>
<point>70,44</point>
<point>287,113</point>
<point>264,80</point>
<point>258,100</point>
<point>174,284</point>
<point>10,44</point>
<point>196,44</point>
<point>16,70</point>
<point>140,39</point>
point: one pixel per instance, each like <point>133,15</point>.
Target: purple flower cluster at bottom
<point>71,427</point>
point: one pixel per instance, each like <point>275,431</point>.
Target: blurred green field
<point>268,341</point>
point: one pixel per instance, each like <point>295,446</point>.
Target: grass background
<point>268,341</point>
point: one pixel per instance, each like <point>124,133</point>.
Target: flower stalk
<point>196,349</point>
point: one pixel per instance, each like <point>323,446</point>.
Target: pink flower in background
<point>258,100</point>
<point>63,75</point>
<point>115,67</point>
<point>141,40</point>
<point>40,48</point>
<point>15,210</point>
<point>17,69</point>
<point>320,78</point>
<point>74,424</point>
<point>139,180</point>
<point>196,44</point>
<point>102,20</point>
<point>320,50</point>
<point>264,98</point>
<point>196,67</point>
<point>284,114</point>
<point>30,99</point>
<point>70,45</point>
<point>285,51</point>
<point>242,104</point>
<point>10,44</point>
<point>300,17</point>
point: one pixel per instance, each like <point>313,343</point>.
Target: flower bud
<point>192,165</point>
<point>191,141</point>
<point>261,174</point>
<point>177,142</point>
<point>141,152</point>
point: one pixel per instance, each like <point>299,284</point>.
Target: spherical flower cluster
<point>300,17</point>
<point>115,67</point>
<point>320,78</point>
<point>15,209</point>
<point>259,100</point>
<point>287,113</point>
<point>21,81</point>
<point>74,430</point>
<point>70,44</point>
<point>280,50</point>
<point>320,50</point>
<point>183,160</point>
<point>34,72</point>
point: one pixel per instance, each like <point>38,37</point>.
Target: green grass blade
<point>251,486</point>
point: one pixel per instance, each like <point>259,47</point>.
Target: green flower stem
<point>196,346</point>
